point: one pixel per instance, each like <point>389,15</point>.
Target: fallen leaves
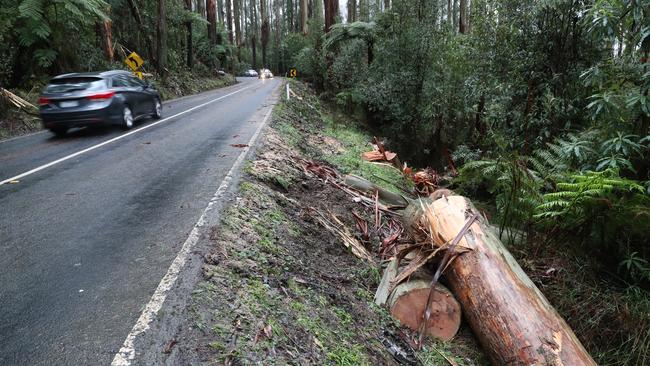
<point>239,145</point>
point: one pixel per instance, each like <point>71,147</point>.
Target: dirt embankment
<point>278,288</point>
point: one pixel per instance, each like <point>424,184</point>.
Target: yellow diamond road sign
<point>293,73</point>
<point>134,61</point>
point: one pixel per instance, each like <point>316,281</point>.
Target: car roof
<point>97,74</point>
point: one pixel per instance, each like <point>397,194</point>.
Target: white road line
<point>45,166</point>
<point>127,353</point>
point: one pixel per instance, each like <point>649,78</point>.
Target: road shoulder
<point>147,340</point>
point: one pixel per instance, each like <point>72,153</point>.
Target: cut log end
<point>408,302</point>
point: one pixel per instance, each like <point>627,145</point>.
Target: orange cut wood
<point>407,303</point>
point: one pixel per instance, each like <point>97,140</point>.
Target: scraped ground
<point>278,288</point>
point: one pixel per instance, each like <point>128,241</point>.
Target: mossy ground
<point>278,288</point>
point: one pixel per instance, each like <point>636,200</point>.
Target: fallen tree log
<point>408,301</point>
<point>513,321</point>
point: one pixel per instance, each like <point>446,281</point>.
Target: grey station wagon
<point>97,98</point>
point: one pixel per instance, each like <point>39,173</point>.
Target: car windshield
<point>66,85</point>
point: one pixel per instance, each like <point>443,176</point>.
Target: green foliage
<point>575,197</point>
<point>516,188</point>
<point>349,31</point>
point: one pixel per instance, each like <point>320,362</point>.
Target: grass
<point>355,142</point>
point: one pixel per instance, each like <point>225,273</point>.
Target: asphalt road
<point>85,242</point>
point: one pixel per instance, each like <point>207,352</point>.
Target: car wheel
<point>157,109</point>
<point>127,118</point>
<point>59,131</point>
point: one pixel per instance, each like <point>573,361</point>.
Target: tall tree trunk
<point>296,15</point>
<point>211,11</point>
<point>331,10</point>
<point>161,26</point>
<point>188,26</point>
<point>449,12</point>
<point>221,18</point>
<point>462,17</point>
<point>278,27</point>
<point>303,16</point>
<point>454,11</point>
<point>364,10</point>
<point>254,34</point>
<point>386,5</point>
<point>236,8</point>
<point>135,12</point>
<point>352,11</point>
<point>264,31</point>
<point>290,15</point>
<point>106,33</point>
<point>229,20</point>
<point>200,7</point>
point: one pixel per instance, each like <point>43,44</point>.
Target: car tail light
<point>101,96</point>
<point>43,101</point>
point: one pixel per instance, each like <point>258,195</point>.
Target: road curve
<point>85,241</point>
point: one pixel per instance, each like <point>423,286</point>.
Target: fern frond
<point>32,9</point>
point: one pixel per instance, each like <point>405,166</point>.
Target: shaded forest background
<point>541,105</point>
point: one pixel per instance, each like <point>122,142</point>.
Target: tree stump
<point>407,303</point>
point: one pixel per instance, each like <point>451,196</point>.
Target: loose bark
<point>511,318</point>
<point>408,301</point>
<point>387,197</point>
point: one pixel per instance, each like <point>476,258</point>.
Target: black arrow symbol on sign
<point>132,59</point>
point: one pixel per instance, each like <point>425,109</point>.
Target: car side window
<point>119,82</point>
<point>134,81</point>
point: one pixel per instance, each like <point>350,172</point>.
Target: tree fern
<point>583,191</point>
<point>346,31</point>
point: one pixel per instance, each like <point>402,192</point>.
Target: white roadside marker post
<point>287,91</point>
